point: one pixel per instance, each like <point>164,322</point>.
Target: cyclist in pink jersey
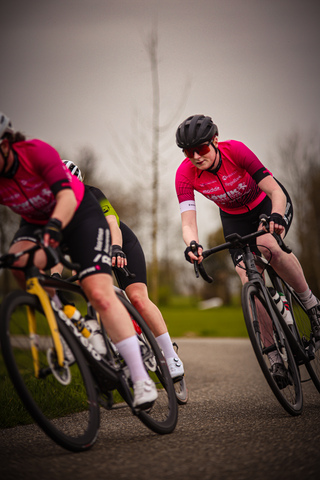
<point>36,184</point>
<point>229,174</point>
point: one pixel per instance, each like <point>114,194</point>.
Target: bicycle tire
<point>68,413</point>
<point>258,320</point>
<point>302,321</point>
<point>162,417</point>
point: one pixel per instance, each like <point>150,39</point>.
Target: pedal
<point>178,379</point>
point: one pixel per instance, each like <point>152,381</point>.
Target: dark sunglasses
<point>200,150</point>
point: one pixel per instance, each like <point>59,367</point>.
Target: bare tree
<point>9,223</point>
<point>151,46</point>
<point>299,158</point>
<point>128,211</point>
<point>141,167</point>
<point>152,49</point>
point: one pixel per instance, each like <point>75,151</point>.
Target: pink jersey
<point>233,187</point>
<point>40,174</point>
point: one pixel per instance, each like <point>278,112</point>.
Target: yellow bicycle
<point>57,373</point>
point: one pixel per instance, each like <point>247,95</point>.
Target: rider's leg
<point>116,320</point>
<point>289,268</point>
<point>138,296</point>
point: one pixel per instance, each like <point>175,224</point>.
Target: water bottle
<point>88,327</point>
<point>282,304</point>
<point>96,338</point>
<point>77,319</point>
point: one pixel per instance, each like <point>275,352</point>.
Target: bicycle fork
<point>33,287</point>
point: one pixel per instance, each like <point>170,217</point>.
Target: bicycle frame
<point>254,276</point>
<point>251,262</point>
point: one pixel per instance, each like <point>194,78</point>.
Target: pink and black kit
<point>30,188</point>
<point>233,186</point>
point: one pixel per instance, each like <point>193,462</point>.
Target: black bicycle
<point>59,376</point>
<point>272,335</point>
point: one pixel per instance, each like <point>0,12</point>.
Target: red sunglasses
<point>200,150</point>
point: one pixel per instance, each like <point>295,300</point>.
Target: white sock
<point>308,299</point>
<point>165,344</point>
<point>129,349</point>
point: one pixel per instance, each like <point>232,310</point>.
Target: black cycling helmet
<point>5,125</point>
<point>195,130</point>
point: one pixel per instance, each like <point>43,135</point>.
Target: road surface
<point>231,428</point>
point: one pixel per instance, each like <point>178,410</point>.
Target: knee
<point>138,300</point>
<point>275,256</point>
<point>101,300</point>
<point>99,296</point>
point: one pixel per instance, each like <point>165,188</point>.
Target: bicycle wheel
<point>304,329</point>
<point>163,415</point>
<point>63,401</point>
<point>265,339</point>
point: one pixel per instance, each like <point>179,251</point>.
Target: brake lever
<point>125,270</point>
<point>264,219</point>
<point>193,246</point>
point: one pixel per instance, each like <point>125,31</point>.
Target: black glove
<point>277,218</point>
<point>117,252</point>
<point>193,247</point>
<point>53,227</point>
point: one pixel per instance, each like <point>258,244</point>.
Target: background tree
<point>152,49</point>
<point>9,223</point>
<point>142,162</point>
<point>125,201</point>
<point>300,174</point>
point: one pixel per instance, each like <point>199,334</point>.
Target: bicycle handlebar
<point>125,270</point>
<point>53,254</point>
<point>236,241</point>
<point>198,267</point>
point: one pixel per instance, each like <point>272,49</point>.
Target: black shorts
<point>247,223</point>
<point>135,258</point>
<point>86,238</point>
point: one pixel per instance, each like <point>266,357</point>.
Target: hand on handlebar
<point>51,233</point>
<point>194,252</point>
<point>119,258</point>
<point>266,224</point>
<point>273,224</point>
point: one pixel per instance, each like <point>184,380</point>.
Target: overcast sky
<point>76,73</point>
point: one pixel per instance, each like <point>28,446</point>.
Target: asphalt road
<point>231,428</point>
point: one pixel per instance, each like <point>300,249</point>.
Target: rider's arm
<point>116,235</point>
<point>65,207</point>
<point>63,212</point>
<point>190,231</point>
<point>278,199</point>
<point>118,256</point>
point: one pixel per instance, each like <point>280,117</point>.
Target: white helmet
<point>5,125</point>
<point>73,169</point>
